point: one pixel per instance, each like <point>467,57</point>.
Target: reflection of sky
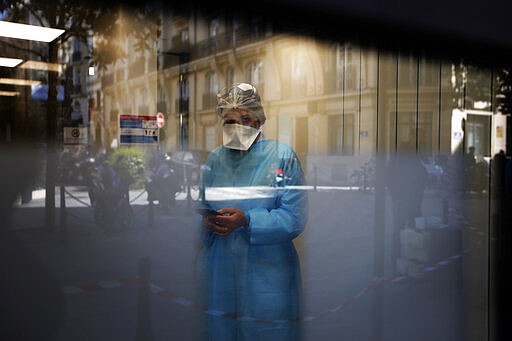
<point>40,92</point>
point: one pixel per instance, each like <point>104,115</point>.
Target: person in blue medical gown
<point>249,265</point>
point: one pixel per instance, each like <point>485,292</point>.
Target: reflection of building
<point>337,103</point>
<point>77,65</point>
<point>125,87</point>
<point>323,98</point>
<point>30,106</point>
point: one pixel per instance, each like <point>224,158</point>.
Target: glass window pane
<point>390,154</point>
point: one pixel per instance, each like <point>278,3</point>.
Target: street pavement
<point>342,298</point>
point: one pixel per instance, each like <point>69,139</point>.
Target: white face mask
<point>239,137</point>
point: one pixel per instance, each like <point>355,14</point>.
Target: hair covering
<point>242,96</point>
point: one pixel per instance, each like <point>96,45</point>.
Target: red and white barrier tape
<point>134,281</point>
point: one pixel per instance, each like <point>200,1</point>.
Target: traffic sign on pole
<point>160,120</point>
<point>75,135</point>
<point>137,130</point>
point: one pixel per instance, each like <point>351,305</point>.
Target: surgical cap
<point>240,96</point>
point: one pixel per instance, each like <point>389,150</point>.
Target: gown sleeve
<point>206,236</point>
<point>287,219</point>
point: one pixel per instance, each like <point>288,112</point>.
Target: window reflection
<point>349,112</point>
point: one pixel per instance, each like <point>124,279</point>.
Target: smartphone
<point>206,211</point>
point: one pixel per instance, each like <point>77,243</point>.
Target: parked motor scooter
<point>161,182</point>
<point>109,196</point>
<point>74,168</point>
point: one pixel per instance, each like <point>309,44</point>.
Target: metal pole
<point>315,172</point>
<point>51,136</point>
<point>181,130</point>
<point>189,194</point>
<point>151,213</point>
<point>379,248</point>
<point>183,107</point>
<point>63,217</point>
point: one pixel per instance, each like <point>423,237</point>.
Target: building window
<point>428,73</point>
<point>214,28</point>
<point>160,94</point>
<point>408,72</point>
<point>348,134</point>
<point>182,102</point>
<point>160,102</point>
<point>298,75</point>
<point>210,141</point>
<point>341,134</point>
<point>230,76</point>
<point>184,36</point>
<point>114,115</point>
<point>350,68</point>
<point>210,90</point>
<point>285,129</point>
<point>77,51</point>
<point>144,103</point>
<point>254,75</point>
<point>335,135</point>
<point>98,99</point>
<point>301,145</point>
<point>77,80</point>
<point>342,70</point>
<point>257,27</point>
<point>234,27</point>
<point>335,67</point>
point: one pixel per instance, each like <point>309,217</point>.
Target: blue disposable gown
<point>253,273</point>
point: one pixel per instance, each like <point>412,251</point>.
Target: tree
<point>102,20</point>
<point>504,90</point>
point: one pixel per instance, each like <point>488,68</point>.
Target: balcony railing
<point>225,41</point>
<point>209,46</point>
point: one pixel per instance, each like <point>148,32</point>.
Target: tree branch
<point>16,47</point>
<point>31,10</point>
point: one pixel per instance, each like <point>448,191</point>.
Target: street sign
<point>138,130</point>
<point>75,135</point>
<point>160,120</point>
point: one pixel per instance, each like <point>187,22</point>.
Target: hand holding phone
<point>206,212</point>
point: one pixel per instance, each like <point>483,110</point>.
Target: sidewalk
<point>96,271</point>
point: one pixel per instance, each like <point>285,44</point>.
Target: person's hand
<point>228,220</point>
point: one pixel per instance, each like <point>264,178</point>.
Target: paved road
<point>95,269</point>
